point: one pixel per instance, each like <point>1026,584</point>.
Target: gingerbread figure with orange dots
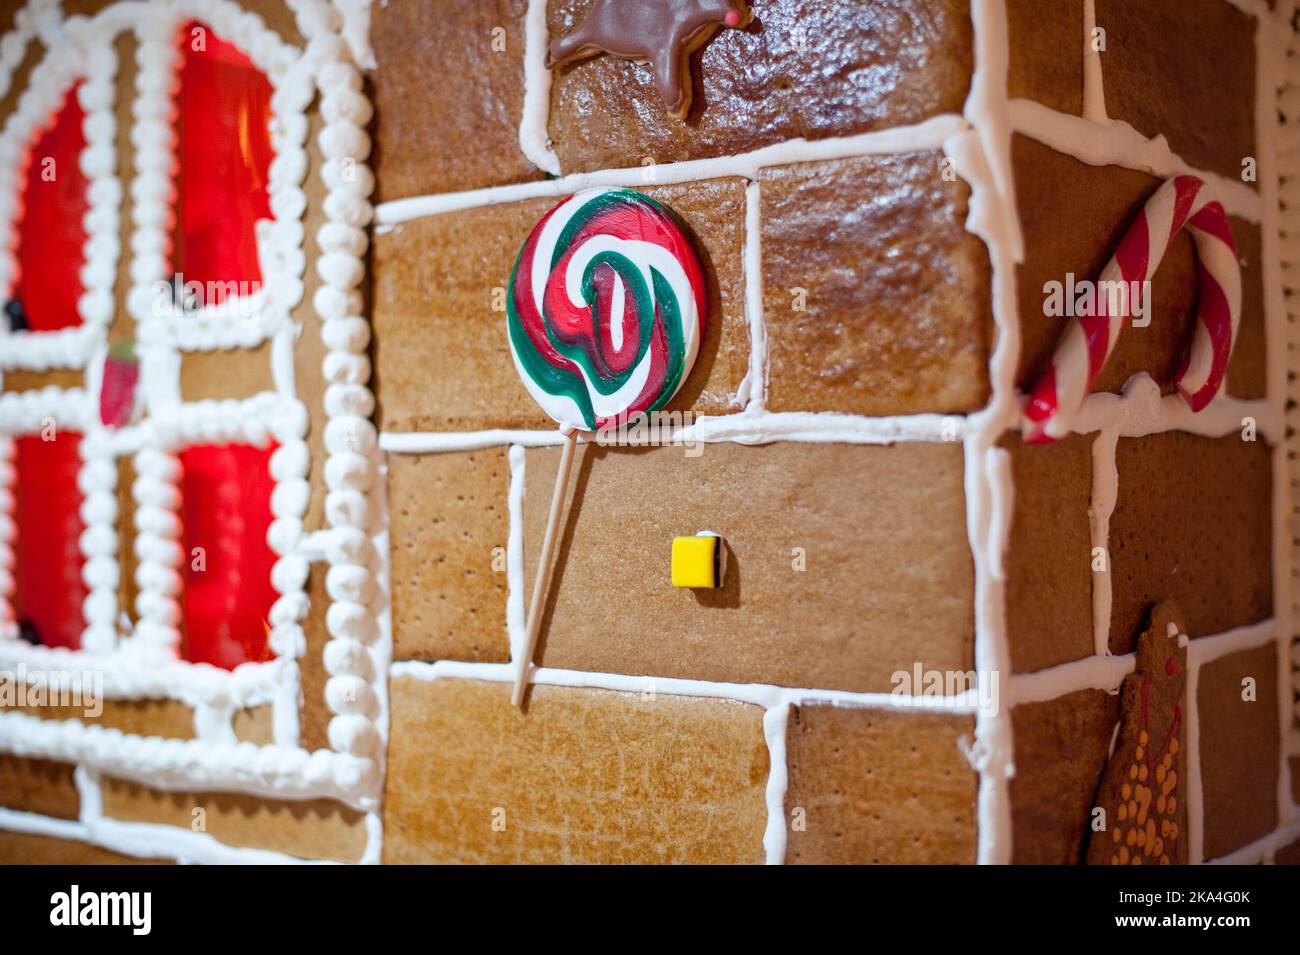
<point>1141,815</point>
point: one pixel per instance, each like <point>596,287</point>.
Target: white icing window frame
<point>143,664</point>
<point>61,69</point>
<point>241,321</point>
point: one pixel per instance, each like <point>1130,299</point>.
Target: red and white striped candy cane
<point>1182,202</point>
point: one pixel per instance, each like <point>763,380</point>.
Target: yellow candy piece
<point>695,562</point>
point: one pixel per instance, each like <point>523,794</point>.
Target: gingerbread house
<point>959,331</point>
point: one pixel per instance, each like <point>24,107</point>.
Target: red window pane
<point>225,153</point>
<point>226,510</point>
<point>49,590</point>
<point>51,234</point>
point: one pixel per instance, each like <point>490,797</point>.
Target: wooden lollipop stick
<point>545,564</point>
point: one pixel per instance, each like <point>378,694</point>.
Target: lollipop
<point>606,309</point>
<point>606,312</point>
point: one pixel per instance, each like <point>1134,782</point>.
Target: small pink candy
<point>732,18</point>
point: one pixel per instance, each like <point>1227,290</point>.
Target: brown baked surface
<point>442,358</point>
<point>879,785</point>
<point>894,316</point>
<point>1192,524</point>
<point>880,531</point>
<point>1061,749</point>
<point>1048,555</point>
<point>808,70</point>
<point>1239,749</point>
<point>579,776</point>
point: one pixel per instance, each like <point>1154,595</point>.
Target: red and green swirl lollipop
<point>606,309</point>
<point>605,316</point>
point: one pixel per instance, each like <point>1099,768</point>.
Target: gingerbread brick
<point>315,829</point>
<point>314,714</point>
<point>20,848</point>
<point>449,526</point>
<point>1048,554</point>
<point>1288,854</point>
<point>127,587</point>
<point>799,70</point>
<point>441,352</point>
<point>20,379</point>
<point>1061,750</point>
<point>1188,509</point>
<point>879,786</point>
<point>448,95</point>
<point>579,776</point>
<point>167,718</point>
<point>1098,204</point>
<point>855,323</point>
<point>1294,764</point>
<point>255,724</point>
<point>1046,41</point>
<point>38,785</point>
<point>1184,69</point>
<point>231,373</point>
<point>1239,749</point>
<point>793,609</point>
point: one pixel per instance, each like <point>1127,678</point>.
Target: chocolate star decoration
<point>663,33</point>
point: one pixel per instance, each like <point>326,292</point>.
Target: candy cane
<point>1183,201</point>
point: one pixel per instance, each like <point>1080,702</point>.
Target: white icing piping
<point>359,648</point>
<point>245,320</point>
<point>1117,143</point>
<point>1105,494</point>
<point>13,46</point>
<point>752,393</point>
<point>983,159</point>
<point>144,665</point>
<point>188,765</point>
<point>64,65</point>
<point>901,139</point>
<point>1261,851</point>
<point>355,31</point>
<point>534,121</point>
<point>765,695</point>
<point>747,427</point>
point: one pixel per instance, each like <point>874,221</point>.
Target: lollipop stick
<point>545,563</point>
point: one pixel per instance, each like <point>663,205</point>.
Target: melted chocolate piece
<point>662,33</point>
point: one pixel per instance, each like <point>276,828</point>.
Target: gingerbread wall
<point>878,190</point>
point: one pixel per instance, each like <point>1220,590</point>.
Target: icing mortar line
<point>1262,850</point>
<point>747,427</point>
<point>765,695</point>
<point>752,394</point>
<point>534,119</point>
<point>1116,143</point>
<point>188,765</point>
<point>1101,506</point>
<point>982,157</point>
<point>143,840</point>
<point>901,139</point>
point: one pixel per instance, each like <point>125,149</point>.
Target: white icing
<point>752,393</point>
<point>1116,143</point>
<point>534,134</point>
<point>927,135</point>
